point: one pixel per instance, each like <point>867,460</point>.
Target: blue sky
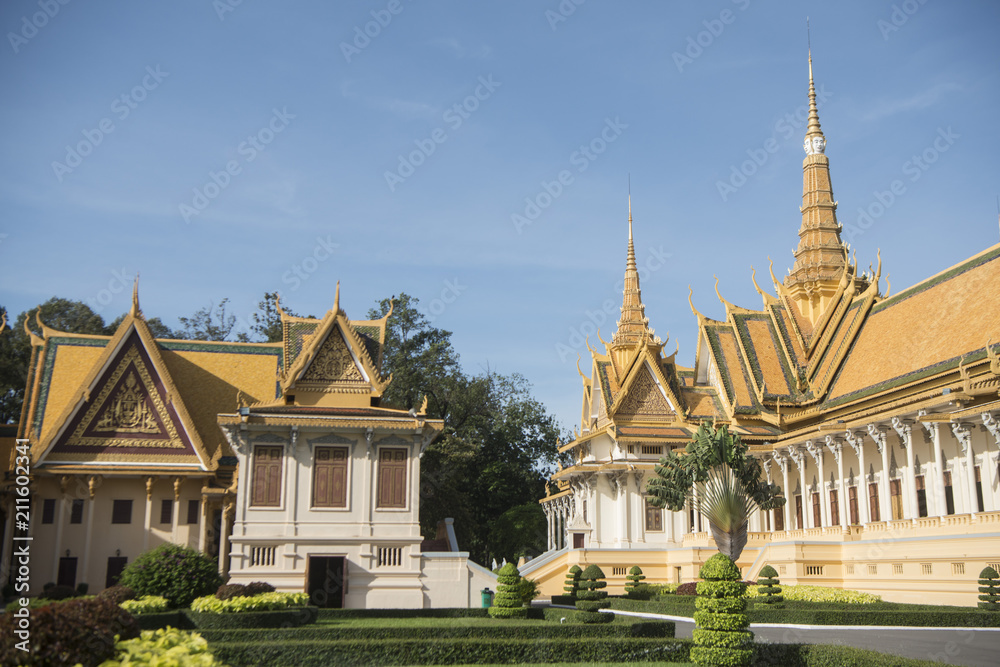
<point>224,149</point>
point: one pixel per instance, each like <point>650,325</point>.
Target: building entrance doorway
<point>326,581</point>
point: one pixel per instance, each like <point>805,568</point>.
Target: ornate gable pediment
<point>129,415</point>
<point>644,398</point>
<point>333,362</point>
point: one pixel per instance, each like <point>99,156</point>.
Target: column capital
<point>797,456</point>
<point>856,439</point>
<point>903,428</point>
<point>836,446</point>
<point>877,432</point>
<point>991,424</point>
<point>816,451</point>
<point>963,433</point>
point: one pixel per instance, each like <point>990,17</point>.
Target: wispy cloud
<point>405,109</point>
<point>921,100</point>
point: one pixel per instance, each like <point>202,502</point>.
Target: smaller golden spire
<point>135,310</point>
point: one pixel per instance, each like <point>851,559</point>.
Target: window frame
<point>257,463</point>
<point>403,466</point>
<point>118,506</point>
<point>345,503</point>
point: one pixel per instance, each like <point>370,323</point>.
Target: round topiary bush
<point>117,594</point>
<point>507,603</point>
<point>572,586</point>
<point>180,574</point>
<point>721,636</point>
<point>989,589</point>
<point>769,592</point>
<point>75,632</point>
<point>634,576</point>
<point>591,598</point>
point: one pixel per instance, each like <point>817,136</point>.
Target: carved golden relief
<point>136,408</point>
<point>333,362</point>
<point>645,398</point>
<point>128,412</point>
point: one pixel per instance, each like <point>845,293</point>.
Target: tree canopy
<point>728,485</point>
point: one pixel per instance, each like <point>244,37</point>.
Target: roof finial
<point>336,299</point>
<point>630,207</point>
<point>815,141</point>
<point>134,312</point>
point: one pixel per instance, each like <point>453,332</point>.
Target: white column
<point>934,481</point>
<point>963,433</point>
<point>994,428</point>
<point>904,428</point>
<point>367,502</point>
<point>91,487</point>
<point>227,512</point>
<point>786,489</point>
<point>856,439</point>
<point>203,529</point>
<point>799,458</point>
<point>148,515</point>
<point>836,447</point>
<point>824,500</point>
<point>877,434</point>
<point>178,481</point>
<point>60,521</point>
<point>290,483</point>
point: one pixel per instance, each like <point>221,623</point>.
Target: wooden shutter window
<point>121,511</point>
<point>817,511</point>
<point>266,477</point>
<point>873,509</point>
<point>330,477</point>
<point>853,493</point>
<point>834,507</point>
<point>194,507</point>
<point>166,511</point>
<point>896,499</point>
<point>392,478</point>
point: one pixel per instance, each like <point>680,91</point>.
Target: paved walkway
<point>973,647</point>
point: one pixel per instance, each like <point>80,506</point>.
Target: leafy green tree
<point>265,324</point>
<point>488,469</point>
<point>728,485</point>
<point>155,324</point>
<point>212,322</point>
<point>15,346</point>
<point>175,572</point>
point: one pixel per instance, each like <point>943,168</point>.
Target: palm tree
<point>723,482</point>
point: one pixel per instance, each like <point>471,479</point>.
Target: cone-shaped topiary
<point>635,575</point>
<point>769,590</point>
<point>507,603</point>
<point>721,636</point>
<point>989,589</point>
<point>591,597</point>
<point>572,586</point>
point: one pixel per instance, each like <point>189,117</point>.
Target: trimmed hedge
<point>491,631</point>
<point>577,650</point>
<point>447,612</point>
<point>721,638</point>
<point>635,576</point>
<point>592,597</point>
<point>769,592</point>
<point>572,584</point>
<point>253,619</point>
<point>449,651</point>
<point>508,603</point>
<point>565,600</point>
<point>175,619</point>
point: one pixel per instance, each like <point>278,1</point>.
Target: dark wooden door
<point>67,572</point>
<point>326,581</point>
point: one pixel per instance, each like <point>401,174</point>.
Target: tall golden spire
<point>820,258</point>
<point>633,325</point>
